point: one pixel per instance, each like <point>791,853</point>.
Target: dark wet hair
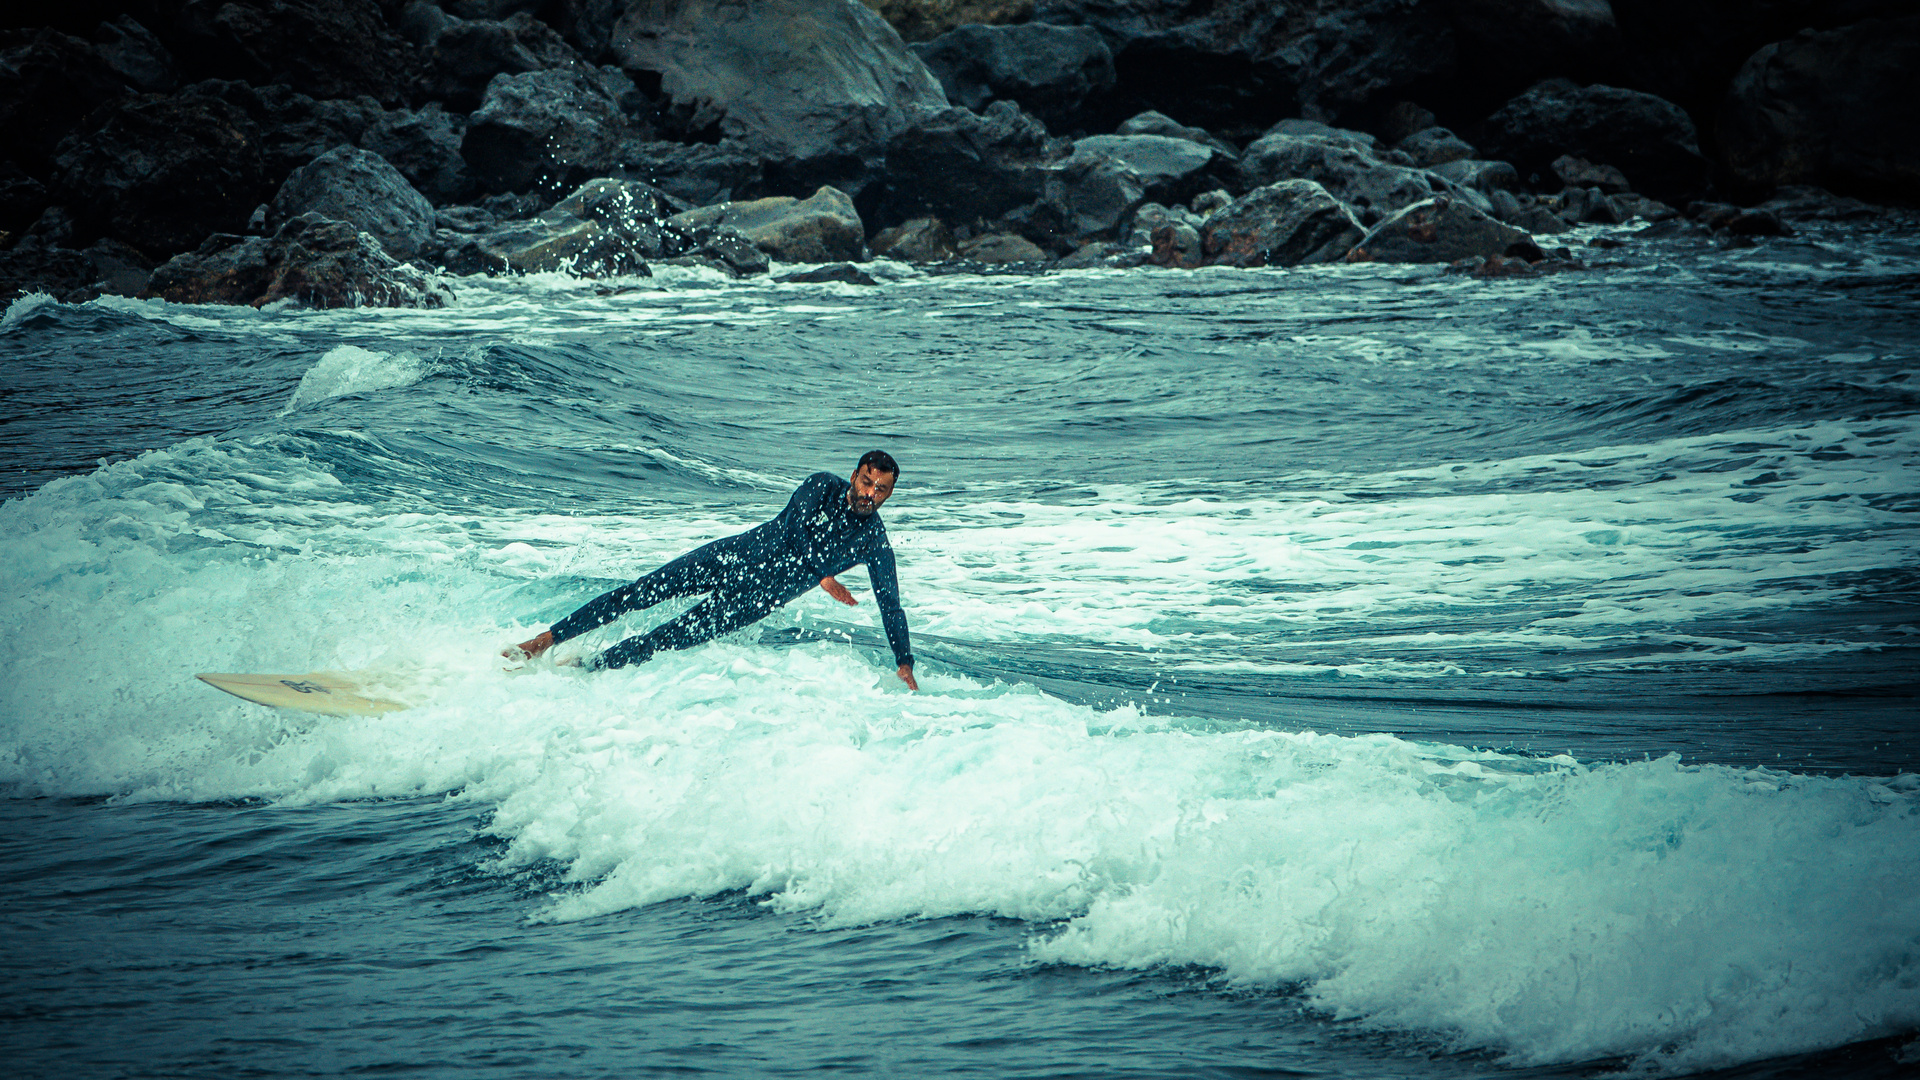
<point>881,461</point>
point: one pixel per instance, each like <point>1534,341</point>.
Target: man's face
<point>870,488</point>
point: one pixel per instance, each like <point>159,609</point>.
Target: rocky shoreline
<point>369,152</point>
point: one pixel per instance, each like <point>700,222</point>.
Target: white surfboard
<point>331,693</point>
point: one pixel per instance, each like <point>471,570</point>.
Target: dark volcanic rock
<point>821,228</point>
<point>463,56</point>
<point>22,199</point>
<point>294,128</point>
<point>1485,177</point>
<point>1836,109</point>
<point>797,78</point>
<point>924,20</point>
<point>843,273</point>
<point>962,167</point>
<point>1440,230</point>
<point>553,128</point>
<point>920,240</point>
<point>1157,123</point>
<point>1648,139</point>
<point>163,172</point>
<point>1527,39</point>
<point>311,261</point>
<point>1282,224</point>
<point>999,247</point>
<point>1048,70</point>
<point>1172,169</point>
<point>1581,173</point>
<point>58,272</point>
<point>425,147</point>
<point>1435,146</point>
<point>325,48</point>
<point>358,187</point>
<point>1340,163</point>
<point>134,54</point>
<point>700,173</point>
<point>47,84</point>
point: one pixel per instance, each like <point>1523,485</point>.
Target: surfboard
<point>331,693</point>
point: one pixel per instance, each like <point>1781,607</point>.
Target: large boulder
<point>358,187</point>
<point>821,228</point>
<point>324,48</point>
<point>310,261</point>
<point>1289,223</point>
<point>919,240</point>
<point>1440,230</point>
<point>1159,123</point>
<point>1172,169</point>
<point>425,147</point>
<point>47,83</point>
<point>463,55</point>
<point>962,167</point>
<point>108,268</point>
<point>699,173</point>
<point>799,78</point>
<point>1343,164</point>
<point>607,227</point>
<point>1527,39</point>
<point>161,173</point>
<point>136,55</point>
<point>1836,109</point>
<point>1650,140</point>
<point>552,129</point>
<point>294,127</point>
<point>924,20</point>
<point>1049,70</point>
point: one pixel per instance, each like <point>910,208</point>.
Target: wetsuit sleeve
<point>886,593</point>
<point>598,612</point>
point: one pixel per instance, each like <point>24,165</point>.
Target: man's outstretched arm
<point>840,592</point>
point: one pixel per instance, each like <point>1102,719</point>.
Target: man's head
<point>873,481</point>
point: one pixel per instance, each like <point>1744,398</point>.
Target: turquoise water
<point>1360,671</point>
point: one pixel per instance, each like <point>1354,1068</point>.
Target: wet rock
<point>924,20</point>
<point>1402,119</point>
<point>324,48</point>
<point>999,247</point>
<point>161,173</point>
<point>1586,206</point>
<point>1632,205</point>
<point>794,78</point>
<point>1151,217</point>
<point>1807,202</point>
<point>821,228</point>
<point>1172,169</point>
<point>22,199</point>
<point>310,261</point>
<point>1650,140</point>
<point>134,54</point>
<point>1287,223</point>
<point>587,25</point>
<point>1156,123</point>
<point>1176,244</point>
<point>1440,230</point>
<point>1103,254</point>
<point>47,83</point>
<point>425,147</point>
<point>1208,201</point>
<point>1085,197</point>
<point>962,167</point>
<point>1834,109</point>
<point>294,128</point>
<point>552,129</point>
<point>1341,164</point>
<point>462,56</point>
<point>1578,172</point>
<point>1524,211</point>
<point>1485,177</point>
<point>924,239</point>
<point>700,173</point>
<point>1435,146</point>
<point>843,273</point>
<point>60,273</point>
<point>1049,70</point>
<point>358,187</point>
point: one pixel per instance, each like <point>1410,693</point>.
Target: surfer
<point>829,526</point>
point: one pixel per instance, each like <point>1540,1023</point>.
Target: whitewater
<point>1360,671</point>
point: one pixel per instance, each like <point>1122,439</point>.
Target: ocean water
<point>1349,672</point>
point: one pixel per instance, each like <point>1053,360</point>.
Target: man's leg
<point>698,571</point>
<point>718,614</point>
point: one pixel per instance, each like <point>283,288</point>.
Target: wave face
<point>1355,670</point>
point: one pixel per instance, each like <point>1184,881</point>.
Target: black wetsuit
<point>747,576</point>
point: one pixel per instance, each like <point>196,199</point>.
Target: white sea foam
<point>350,369</point>
<point>1554,910</point>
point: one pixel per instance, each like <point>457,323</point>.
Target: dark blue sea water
<point>1349,672</point>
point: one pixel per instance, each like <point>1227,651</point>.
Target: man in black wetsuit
<point>828,526</point>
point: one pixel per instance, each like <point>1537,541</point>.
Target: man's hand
<point>906,676</point>
<point>836,590</point>
<point>530,648</point>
